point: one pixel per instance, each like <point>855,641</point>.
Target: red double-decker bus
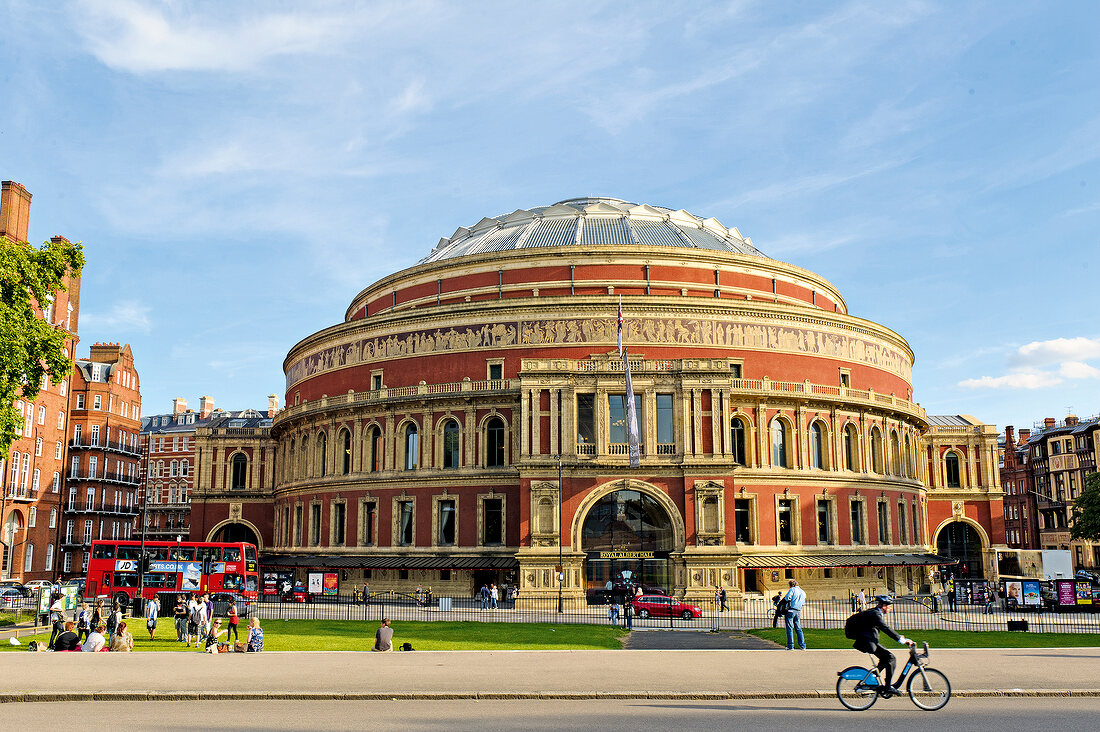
<point>189,566</point>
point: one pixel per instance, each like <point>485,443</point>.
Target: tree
<point>30,347</point>
<point>1085,523</point>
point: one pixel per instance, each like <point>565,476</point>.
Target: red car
<point>661,606</point>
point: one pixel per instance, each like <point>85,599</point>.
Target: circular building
<point>468,421</point>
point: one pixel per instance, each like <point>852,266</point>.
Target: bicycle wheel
<point>929,691</point>
<point>853,692</point>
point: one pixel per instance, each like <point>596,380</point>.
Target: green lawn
<point>945,638</point>
<point>350,635</point>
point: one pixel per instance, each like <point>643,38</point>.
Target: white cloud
<point>1078,370</point>
<point>125,316</point>
<point>1057,350</point>
<point>139,38</point>
<point>1031,380</point>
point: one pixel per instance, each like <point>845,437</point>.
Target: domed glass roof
<point>592,222</point>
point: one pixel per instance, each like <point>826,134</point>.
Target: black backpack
<point>112,621</point>
<point>851,626</point>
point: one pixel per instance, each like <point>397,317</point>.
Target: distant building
<point>170,459</point>
<point>103,474</point>
<point>1021,508</point>
<point>31,477</point>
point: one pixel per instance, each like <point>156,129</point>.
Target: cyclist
<point>865,627</point>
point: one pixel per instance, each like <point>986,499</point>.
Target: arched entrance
<point>627,536</point>
<point>12,525</point>
<point>962,542</point>
<point>235,532</point>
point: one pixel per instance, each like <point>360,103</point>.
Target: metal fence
<point>909,613</point>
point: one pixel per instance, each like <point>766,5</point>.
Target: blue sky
<point>238,171</point>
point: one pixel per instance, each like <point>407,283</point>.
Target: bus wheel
<point>122,599</point>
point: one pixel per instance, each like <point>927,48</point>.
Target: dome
<point>592,221</point>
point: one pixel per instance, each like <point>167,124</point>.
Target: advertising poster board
<point>1014,594</point>
<point>316,583</point>
<point>1031,593</point>
<point>331,584</point>
<point>278,583</point>
<point>1084,593</point>
<point>1067,594</point>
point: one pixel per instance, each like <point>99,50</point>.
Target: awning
<point>783,561</point>
<point>388,561</point>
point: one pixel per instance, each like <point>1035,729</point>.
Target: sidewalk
<point>517,674</point>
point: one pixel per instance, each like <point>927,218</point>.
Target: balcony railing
<point>105,477</point>
<point>115,508</point>
<point>84,443</point>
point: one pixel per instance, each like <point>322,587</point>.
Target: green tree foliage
<point>29,346</point>
<point>1086,511</point>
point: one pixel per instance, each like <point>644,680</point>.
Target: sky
<point>237,172</point>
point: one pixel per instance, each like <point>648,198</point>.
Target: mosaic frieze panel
<point>602,334</point>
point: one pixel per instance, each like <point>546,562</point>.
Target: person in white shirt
<point>795,599</point>
<point>95,640</point>
<point>57,617</point>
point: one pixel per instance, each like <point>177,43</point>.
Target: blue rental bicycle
<point>859,687</point>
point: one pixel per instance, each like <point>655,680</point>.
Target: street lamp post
<point>561,566</point>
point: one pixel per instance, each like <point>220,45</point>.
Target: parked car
<point>662,606</point>
<point>11,597</point>
<point>34,586</point>
<point>15,584</point>
<point>221,602</point>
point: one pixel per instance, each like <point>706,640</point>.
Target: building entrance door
<point>627,537</point>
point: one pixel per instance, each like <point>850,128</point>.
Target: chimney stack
<point>105,352</point>
<point>1025,435</point>
<point>272,405</point>
<point>179,405</point>
<point>15,210</point>
<point>1071,420</point>
<point>206,406</point>
<point>1049,422</point>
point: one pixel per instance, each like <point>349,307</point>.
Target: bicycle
<point>858,687</point>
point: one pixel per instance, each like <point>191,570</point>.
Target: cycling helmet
<point>884,600</point>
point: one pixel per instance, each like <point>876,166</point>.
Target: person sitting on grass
<point>383,639</point>
<point>213,635</point>
<point>95,641</point>
<point>255,642</point>
<point>68,640</point>
<point>122,641</point>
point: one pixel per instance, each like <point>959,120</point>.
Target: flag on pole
<point>631,413</point>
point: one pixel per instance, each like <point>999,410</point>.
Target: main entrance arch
<point>628,533</point>
<point>234,531</point>
<point>962,542</point>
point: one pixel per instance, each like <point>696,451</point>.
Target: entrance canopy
<point>783,561</point>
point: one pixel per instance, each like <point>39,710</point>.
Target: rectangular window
<point>49,557</point>
<point>41,415</point>
<point>665,426</point>
<point>405,523</point>
<point>883,523</point>
<point>298,525</point>
<point>79,401</point>
<point>375,382</point>
<point>616,405</point>
<point>28,559</point>
<point>88,531</point>
<point>857,523</point>
<point>70,527</point>
<point>60,419</point>
<point>57,450</point>
<point>824,525</point>
<point>586,424</point>
<point>785,521</point>
<point>53,518</point>
<point>368,519</point>
<point>493,528</point>
<point>339,513</point>
<point>93,466</point>
<point>742,520</point>
<point>916,524</point>
<point>315,524</point>
<point>496,371</point>
<point>38,446</point>
<point>903,528</point>
<point>32,517</point>
<point>446,523</point>
<point>97,402</point>
<point>735,370</point>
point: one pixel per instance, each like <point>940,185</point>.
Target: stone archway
<point>236,530</point>
<point>679,532</point>
<point>965,541</point>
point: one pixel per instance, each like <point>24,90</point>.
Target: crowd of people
<point>94,629</point>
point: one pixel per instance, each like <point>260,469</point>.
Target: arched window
<point>375,449</point>
<point>290,465</point>
<point>303,468</point>
<point>895,454</point>
<point>876,451</point>
<point>951,467</point>
<point>494,443</point>
<point>737,440</point>
<point>412,448</point>
<point>345,452</point>
<point>451,443</point>
<point>851,444</point>
<point>239,478</point>
<point>779,444</point>
<point>908,458</point>
<point>817,446</point>
<point>322,453</point>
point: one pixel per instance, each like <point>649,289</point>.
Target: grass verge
<point>350,635</point>
<point>945,638</point>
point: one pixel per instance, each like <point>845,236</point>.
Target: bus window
<point>231,554</point>
<point>103,551</point>
<point>213,552</point>
<point>252,583</point>
<point>182,554</point>
<point>106,579</point>
<point>126,579</point>
<point>232,581</point>
<point>159,579</point>
<point>128,551</point>
<point>250,553</point>
<point>160,553</point>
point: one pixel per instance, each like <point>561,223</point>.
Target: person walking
<point>57,617</point>
<point>209,610</point>
<point>152,612</point>
<point>780,608</point>
<point>628,614</point>
<point>484,597</point>
<point>83,622</point>
<point>795,598</point>
<point>951,593</point>
<point>613,613</point>
<point>722,606</point>
<point>861,601</point>
<point>234,619</point>
<point>179,615</point>
<point>990,596</point>
<point>494,595</point>
<point>97,617</point>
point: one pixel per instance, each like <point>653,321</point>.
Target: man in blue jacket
<point>794,599</point>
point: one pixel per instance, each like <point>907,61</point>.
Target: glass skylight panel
<point>657,233</point>
<point>555,232</point>
<point>605,230</point>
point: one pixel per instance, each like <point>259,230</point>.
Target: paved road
<point>613,715</point>
<point>690,640</point>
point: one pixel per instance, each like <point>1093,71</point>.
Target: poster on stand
<point>316,583</point>
<point>1014,594</point>
<point>1067,595</point>
<point>1084,593</point>
<point>1031,593</point>
<point>331,584</point>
